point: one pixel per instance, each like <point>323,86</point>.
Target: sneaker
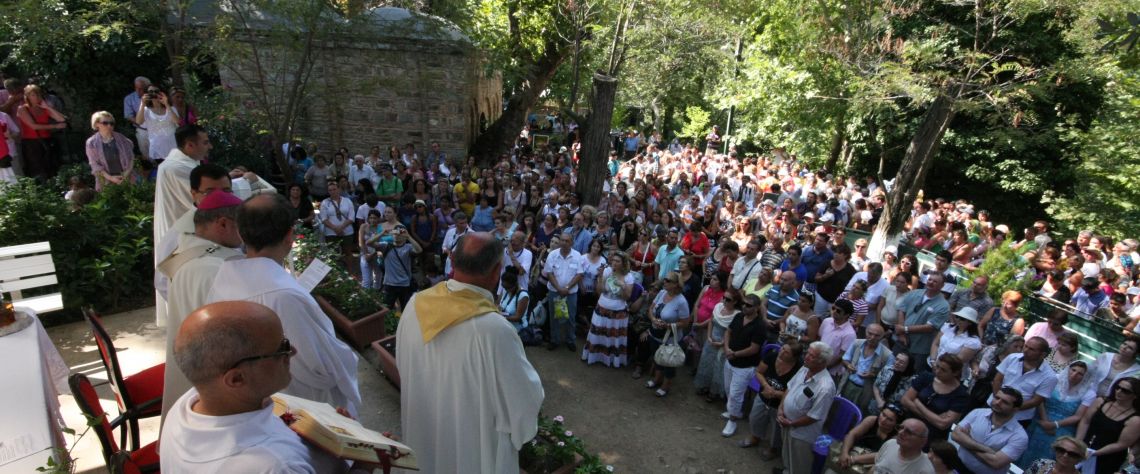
<point>726,415</point>
<point>729,429</point>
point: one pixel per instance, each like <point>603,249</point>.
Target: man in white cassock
<point>324,368</point>
<point>172,196</point>
<point>237,355</point>
<point>204,180</point>
<point>469,399</point>
<point>191,269</point>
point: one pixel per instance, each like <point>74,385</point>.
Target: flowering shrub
<point>555,446</point>
<point>339,287</point>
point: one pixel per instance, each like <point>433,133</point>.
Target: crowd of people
<point>742,261</point>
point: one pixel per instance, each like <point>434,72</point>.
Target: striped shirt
<point>779,303</point>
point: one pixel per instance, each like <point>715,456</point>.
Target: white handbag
<point>670,353</point>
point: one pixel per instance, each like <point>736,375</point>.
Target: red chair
<point>142,460</point>
<point>138,395</point>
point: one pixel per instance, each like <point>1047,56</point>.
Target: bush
<point>102,252</point>
<point>339,287</point>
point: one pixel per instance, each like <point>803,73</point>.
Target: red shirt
<point>698,245</point>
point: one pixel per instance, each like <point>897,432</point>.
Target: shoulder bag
<point>670,353</point>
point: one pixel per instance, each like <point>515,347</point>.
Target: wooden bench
<point>25,267</point>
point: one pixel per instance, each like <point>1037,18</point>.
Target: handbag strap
<point>671,331</point>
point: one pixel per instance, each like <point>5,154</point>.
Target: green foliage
<point>89,50</point>
<point>339,287</point>
<point>1104,193</point>
<point>554,446</point>
<point>1007,270</point>
<point>102,252</point>
<point>696,125</point>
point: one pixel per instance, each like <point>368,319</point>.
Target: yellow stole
<point>439,308</point>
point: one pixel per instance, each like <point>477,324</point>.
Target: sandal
<point>637,372</point>
<point>651,384</point>
<point>747,443</point>
<point>661,392</point>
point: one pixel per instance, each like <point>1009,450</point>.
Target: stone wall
<point>365,94</point>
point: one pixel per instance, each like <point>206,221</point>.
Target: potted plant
<point>555,450</point>
<point>357,312</point>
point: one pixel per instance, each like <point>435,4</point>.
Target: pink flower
<point>559,418</point>
<point>560,444</point>
<point>569,433</point>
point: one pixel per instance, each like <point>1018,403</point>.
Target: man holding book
<point>236,355</point>
<point>469,398</point>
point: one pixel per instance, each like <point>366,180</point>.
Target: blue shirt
<point>814,260</point>
<point>668,261</point>
<point>1008,438</point>
<point>800,270</point>
<point>864,363</point>
<point>582,239</point>
<point>779,303</point>
<point>131,105</point>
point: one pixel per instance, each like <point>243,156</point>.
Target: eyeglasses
<point>1059,451</point>
<point>285,349</point>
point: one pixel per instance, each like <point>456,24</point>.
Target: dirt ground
<point>635,431</point>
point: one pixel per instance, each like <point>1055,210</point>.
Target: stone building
<point>394,77</point>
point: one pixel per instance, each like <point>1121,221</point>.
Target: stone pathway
<point>615,415</point>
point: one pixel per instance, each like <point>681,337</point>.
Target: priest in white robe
<point>324,368</point>
<point>172,196</point>
<point>236,355</point>
<point>191,269</point>
<point>469,397</point>
<point>204,180</point>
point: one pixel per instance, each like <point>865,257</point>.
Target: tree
<point>523,40</point>
<point>592,171</point>
<point>960,56</point>
<point>88,51</point>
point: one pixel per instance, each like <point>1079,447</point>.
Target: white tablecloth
<point>32,375</point>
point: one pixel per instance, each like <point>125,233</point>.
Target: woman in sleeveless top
<point>800,322</point>
<point>160,121</point>
<point>710,370</point>
<point>36,116</point>
<point>1110,426</point>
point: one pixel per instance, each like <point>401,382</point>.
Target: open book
<point>320,424</point>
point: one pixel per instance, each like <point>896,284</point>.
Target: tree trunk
<point>912,173</point>
<point>840,136</point>
<point>592,171</point>
<point>500,136</point>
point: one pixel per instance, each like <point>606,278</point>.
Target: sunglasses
<point>107,122</point>
<point>1059,451</point>
<point>749,305</point>
<point>1125,390</point>
<point>729,300</point>
<point>285,349</point>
